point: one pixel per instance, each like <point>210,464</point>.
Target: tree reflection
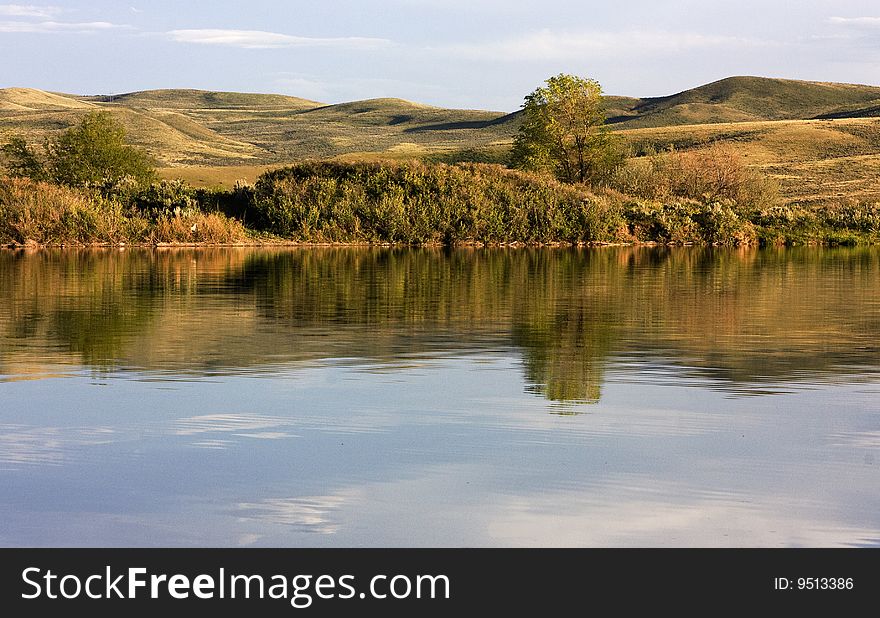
<point>741,317</point>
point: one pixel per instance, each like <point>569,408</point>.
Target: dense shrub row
<point>672,198</point>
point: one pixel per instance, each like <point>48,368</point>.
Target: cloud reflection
<point>314,514</point>
<point>252,426</point>
<point>668,516</point>
<point>25,445</point>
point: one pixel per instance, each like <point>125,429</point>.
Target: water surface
<point>379,397</point>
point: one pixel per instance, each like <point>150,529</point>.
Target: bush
<point>416,203</point>
<point>708,175</point>
<point>197,227</point>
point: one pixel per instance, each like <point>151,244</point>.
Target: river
<point>314,397</point>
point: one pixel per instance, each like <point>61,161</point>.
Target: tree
<point>92,153</point>
<point>563,131</point>
<point>23,161</point>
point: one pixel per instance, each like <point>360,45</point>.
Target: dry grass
<point>185,128</point>
<point>40,213</point>
<point>214,139</point>
<point>215,176</point>
<point>29,99</point>
<point>818,162</point>
<point>710,174</point>
<point>197,227</point>
<point>33,213</point>
<point>742,99</point>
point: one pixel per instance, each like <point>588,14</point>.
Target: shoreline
<point>340,245</point>
<point>294,244</point>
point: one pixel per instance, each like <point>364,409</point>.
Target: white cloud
<point>259,39</point>
<point>550,45</point>
<point>29,10</point>
<point>54,27</point>
<point>873,22</point>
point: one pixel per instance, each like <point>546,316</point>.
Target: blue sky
<point>457,53</point>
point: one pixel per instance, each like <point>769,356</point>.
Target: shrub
<point>417,203</point>
<point>708,175</point>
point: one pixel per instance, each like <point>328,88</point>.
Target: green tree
<point>563,132</point>
<point>92,153</point>
<point>22,161</point>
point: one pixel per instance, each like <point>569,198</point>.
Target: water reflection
<point>748,320</point>
<point>385,397</point>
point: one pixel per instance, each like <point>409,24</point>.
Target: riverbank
<point>672,201</point>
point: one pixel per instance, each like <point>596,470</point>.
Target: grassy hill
<point>193,127</point>
<point>821,140</point>
<point>203,99</point>
<point>30,100</point>
<point>743,99</point>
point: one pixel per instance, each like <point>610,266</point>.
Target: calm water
<point>613,397</point>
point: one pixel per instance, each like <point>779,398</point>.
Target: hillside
<point>194,127</point>
<point>203,99</point>
<point>197,127</point>
<point>31,100</point>
<point>821,140</point>
<point>743,99</point>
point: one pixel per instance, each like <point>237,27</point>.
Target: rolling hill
<point>196,127</point>
<point>193,127</point>
<point>745,99</point>
<point>822,140</point>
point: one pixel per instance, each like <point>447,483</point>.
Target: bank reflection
<point>741,318</point>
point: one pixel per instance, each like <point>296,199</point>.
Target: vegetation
<point>563,132</point>
<point>720,184</point>
<point>417,203</point>
<point>671,198</point>
<point>91,154</point>
<point>213,139</point>
<point>712,174</point>
<point>190,127</point>
<point>39,213</point>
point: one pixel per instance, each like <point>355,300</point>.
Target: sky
<point>477,54</point>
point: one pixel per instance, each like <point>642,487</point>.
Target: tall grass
<point>39,213</point>
<point>709,175</point>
